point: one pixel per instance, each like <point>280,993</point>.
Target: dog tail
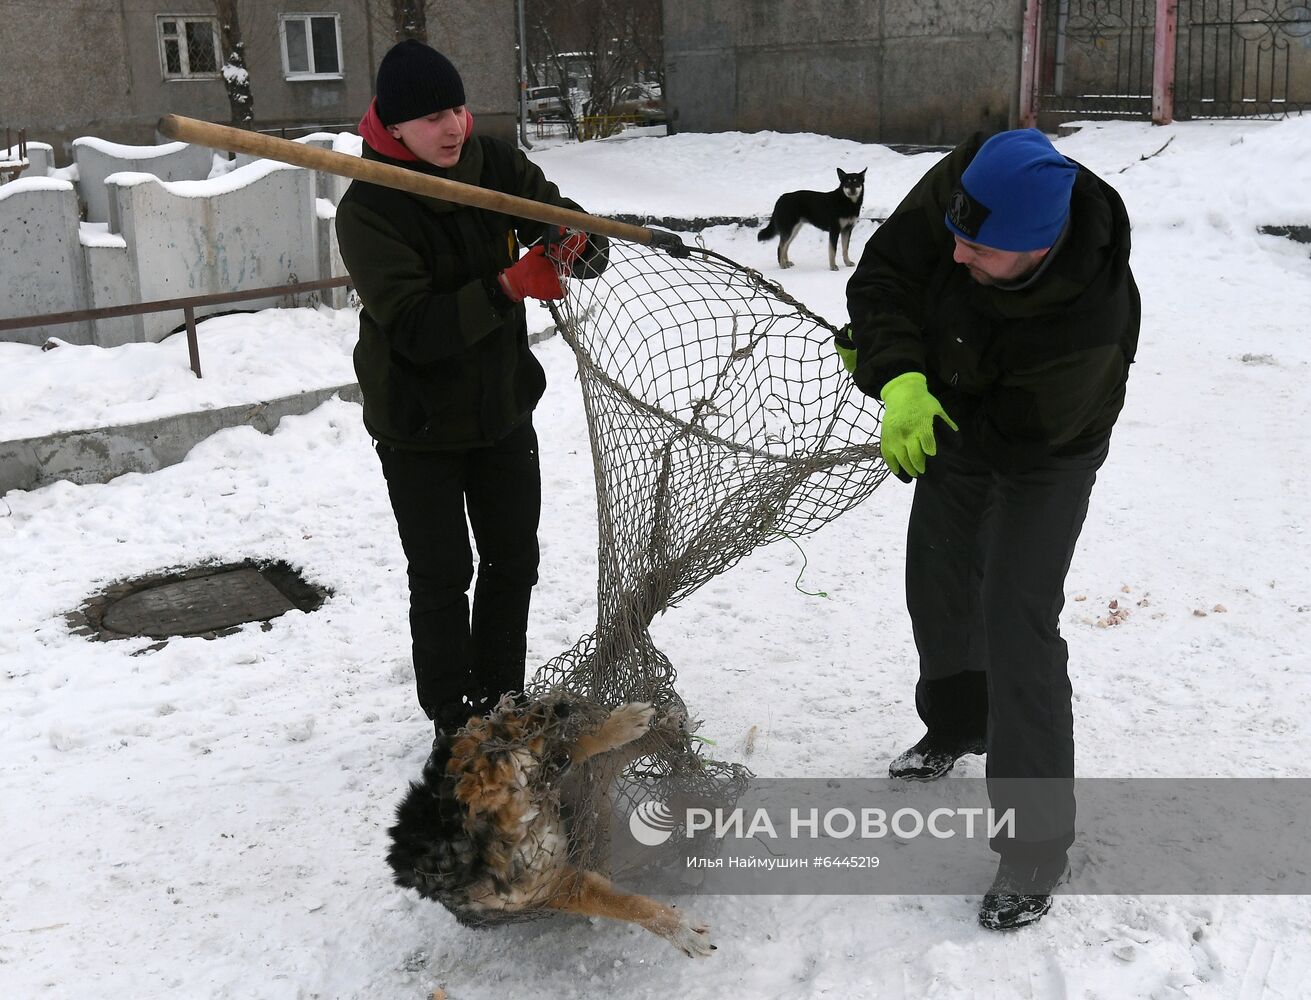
<point>769,232</point>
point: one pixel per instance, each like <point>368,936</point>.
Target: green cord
<point>797,583</point>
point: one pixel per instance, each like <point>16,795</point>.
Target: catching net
<point>720,419</point>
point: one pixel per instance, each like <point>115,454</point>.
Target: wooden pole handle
<point>343,165</point>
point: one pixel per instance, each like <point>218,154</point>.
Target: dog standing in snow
<point>833,211</point>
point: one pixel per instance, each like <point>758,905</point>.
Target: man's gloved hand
<point>846,348</point>
<point>577,254</point>
<point>909,411</point>
<point>565,246</point>
<point>532,276</point>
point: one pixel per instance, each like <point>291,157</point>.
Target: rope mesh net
<point>720,420</point>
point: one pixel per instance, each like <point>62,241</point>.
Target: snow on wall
<point>97,160</point>
<point>328,186</point>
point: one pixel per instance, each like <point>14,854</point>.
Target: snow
<point>12,151</point>
<point>97,234</point>
<point>246,357</point>
<point>231,180</point>
<point>209,819</point>
<point>329,137</point>
<point>125,152</point>
<point>20,184</point>
<point>346,142</point>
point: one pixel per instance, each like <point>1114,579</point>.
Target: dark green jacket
<point>1026,374</point>
<point>443,359</point>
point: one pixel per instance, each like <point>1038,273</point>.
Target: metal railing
<point>300,131</point>
<point>188,305</point>
<point>601,126</point>
<point>11,166</point>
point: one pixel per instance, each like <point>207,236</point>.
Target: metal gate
<point>1242,58</point>
<point>1096,57</point>
<point>1166,59</point>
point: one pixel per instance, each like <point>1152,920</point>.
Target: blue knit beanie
<point>1015,195</point>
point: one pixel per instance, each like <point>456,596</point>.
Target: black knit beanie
<point>416,80</point>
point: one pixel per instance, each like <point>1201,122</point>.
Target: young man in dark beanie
<point>448,380</point>
<point>995,315</point>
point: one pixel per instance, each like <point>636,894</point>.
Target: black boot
<point>447,723</point>
<point>931,758</point>
<point>1021,893</point>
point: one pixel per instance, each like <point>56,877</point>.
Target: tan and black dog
<point>482,832</point>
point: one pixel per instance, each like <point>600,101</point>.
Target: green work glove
<point>846,348</point>
<point>909,409</point>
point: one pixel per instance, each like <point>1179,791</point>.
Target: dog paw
<point>692,938</point>
<point>629,722</point>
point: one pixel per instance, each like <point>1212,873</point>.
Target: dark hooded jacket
<point>1025,373</point>
<point>443,360</point>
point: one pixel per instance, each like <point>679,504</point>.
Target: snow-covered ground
<point>208,819</point>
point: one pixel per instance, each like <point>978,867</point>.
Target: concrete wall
<point>263,225</point>
<point>40,159</point>
<point>96,160</point>
<point>42,269</point>
<point>925,71</point>
<point>259,232</point>
<point>69,70</point>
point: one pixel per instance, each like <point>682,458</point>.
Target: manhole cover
<point>203,600</point>
<point>190,607</point>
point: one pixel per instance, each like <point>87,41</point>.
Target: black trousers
<point>986,559</point>
<point>463,664</point>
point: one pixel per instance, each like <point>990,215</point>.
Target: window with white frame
<point>311,46</point>
<point>188,46</point>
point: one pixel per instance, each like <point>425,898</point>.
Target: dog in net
<point>720,419</point>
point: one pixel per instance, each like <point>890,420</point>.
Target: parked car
<point>642,101</point>
<point>546,103</point>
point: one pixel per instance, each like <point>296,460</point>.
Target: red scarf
<point>375,133</point>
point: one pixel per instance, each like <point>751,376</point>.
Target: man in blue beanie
<point>995,315</point>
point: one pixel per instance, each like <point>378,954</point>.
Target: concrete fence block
<point>97,160</point>
<point>253,227</point>
<point>110,282</point>
<point>330,262</point>
<point>41,264</point>
<point>40,159</point>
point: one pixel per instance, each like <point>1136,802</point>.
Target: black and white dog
<point>833,211</point>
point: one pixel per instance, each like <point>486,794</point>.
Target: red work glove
<point>566,248</point>
<point>532,276</point>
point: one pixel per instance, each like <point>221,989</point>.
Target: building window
<point>311,46</point>
<point>188,47</point>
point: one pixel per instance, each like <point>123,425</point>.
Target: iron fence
<point>1097,57</point>
<point>1218,58</point>
<point>188,305</point>
<point>1242,58</point>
